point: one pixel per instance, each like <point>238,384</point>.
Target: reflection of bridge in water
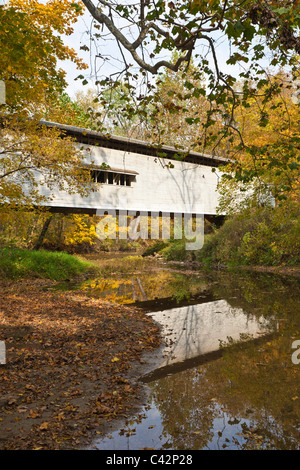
<point>195,334</point>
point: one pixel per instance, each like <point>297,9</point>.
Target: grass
<point>123,265</point>
<point>17,263</point>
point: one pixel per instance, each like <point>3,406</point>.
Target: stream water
<point>228,376</point>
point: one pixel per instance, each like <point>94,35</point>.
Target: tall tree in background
<point>269,153</point>
<point>177,115</point>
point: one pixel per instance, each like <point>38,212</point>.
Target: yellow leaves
<point>115,359</point>
<point>53,13</point>
<point>203,4</point>
<point>58,160</point>
<point>33,414</point>
<point>79,229</point>
<point>31,46</point>
<point>269,126</point>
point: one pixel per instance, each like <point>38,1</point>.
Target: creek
<point>228,374</point>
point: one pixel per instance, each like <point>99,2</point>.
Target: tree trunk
<point>43,233</point>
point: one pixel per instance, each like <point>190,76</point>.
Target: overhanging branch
<point>103,19</point>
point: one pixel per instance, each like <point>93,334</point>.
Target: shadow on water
<point>228,375</point>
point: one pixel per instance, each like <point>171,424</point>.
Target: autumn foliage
<point>31,46</point>
<point>30,154</point>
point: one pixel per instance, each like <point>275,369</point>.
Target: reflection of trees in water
<point>254,387</point>
<point>266,375</point>
<point>163,284</point>
<point>254,291</point>
<point>266,379</point>
<point>259,408</point>
<point>144,286</point>
<point>187,415</point>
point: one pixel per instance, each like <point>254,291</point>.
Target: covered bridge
<point>132,175</point>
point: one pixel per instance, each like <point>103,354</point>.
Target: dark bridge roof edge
<point>138,146</point>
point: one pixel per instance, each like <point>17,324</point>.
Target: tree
<point>33,158</point>
<point>32,155</point>
<point>158,27</point>
<point>65,110</point>
<point>181,25</point>
<point>31,47</point>
<point>177,114</point>
<point>258,35</point>
<point>269,154</point>
<point>112,111</point>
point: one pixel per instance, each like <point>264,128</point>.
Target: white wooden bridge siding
<point>186,188</point>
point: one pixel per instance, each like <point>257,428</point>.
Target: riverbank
<point>192,266</point>
<point>255,237</point>
<point>74,361</point>
<point>73,365</point>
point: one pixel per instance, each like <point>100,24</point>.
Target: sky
<point>110,49</point>
<point>75,40</point>
<point>107,47</point>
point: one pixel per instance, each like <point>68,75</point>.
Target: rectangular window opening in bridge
<point>115,177</point>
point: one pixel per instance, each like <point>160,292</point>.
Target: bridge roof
<point>87,136</point>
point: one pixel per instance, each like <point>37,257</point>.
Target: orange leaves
<point>33,414</point>
<point>111,403</point>
<point>69,358</point>
<point>44,426</point>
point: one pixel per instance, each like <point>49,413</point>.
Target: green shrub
<point>260,236</point>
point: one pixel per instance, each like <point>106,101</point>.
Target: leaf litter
<point>72,365</point>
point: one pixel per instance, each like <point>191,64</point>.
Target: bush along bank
<point>258,236</point>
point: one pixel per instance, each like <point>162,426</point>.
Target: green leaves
<point>239,29</point>
<point>78,8</point>
<point>237,57</point>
